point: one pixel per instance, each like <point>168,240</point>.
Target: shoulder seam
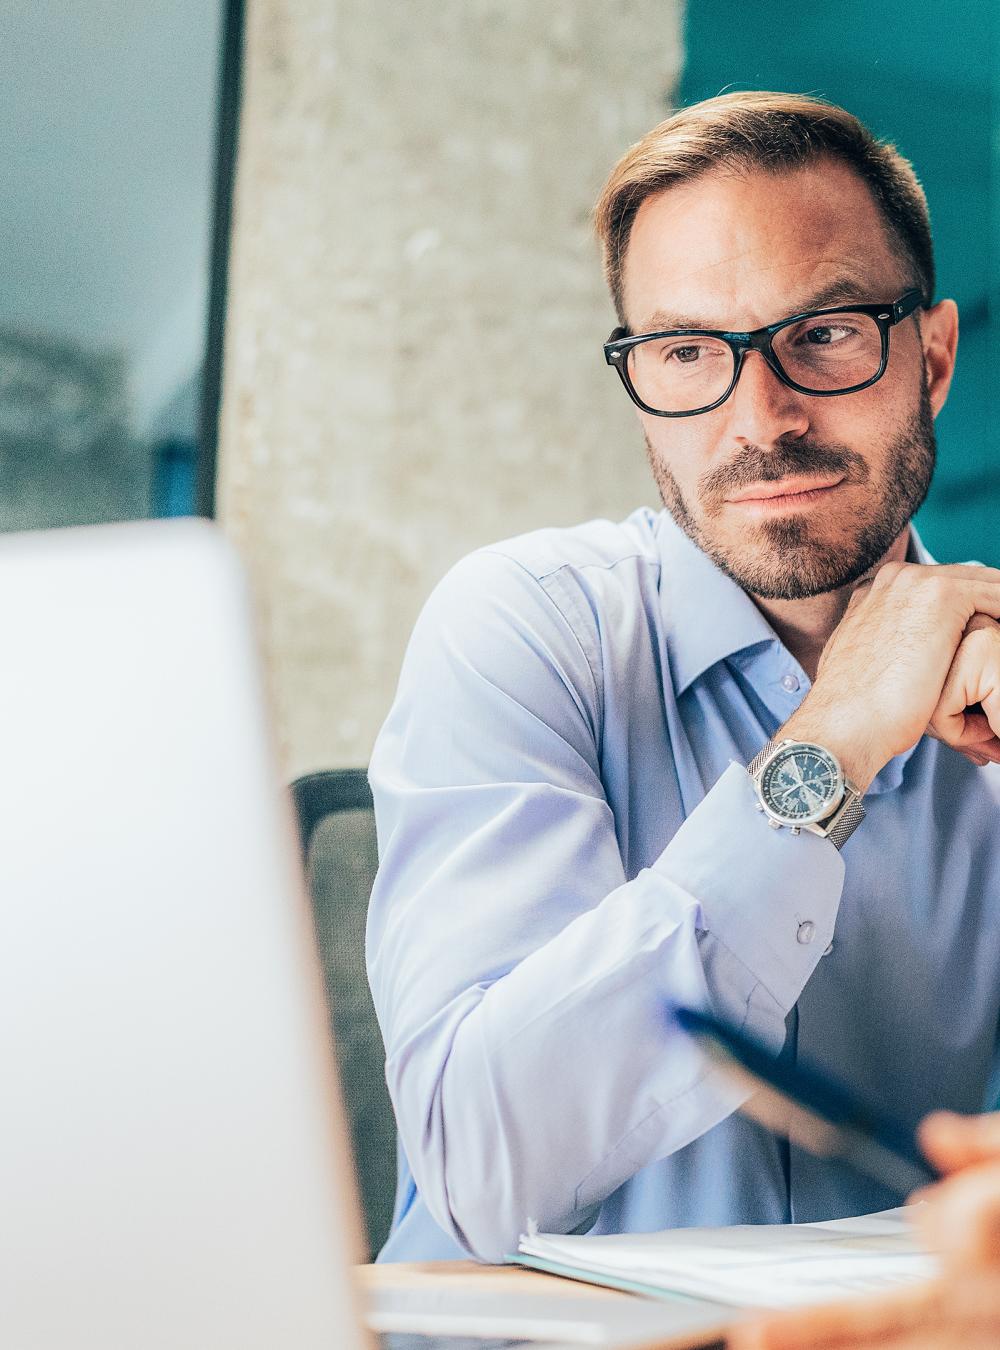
<point>597,676</point>
<point>655,563</point>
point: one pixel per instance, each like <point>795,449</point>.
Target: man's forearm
<point>536,1094</point>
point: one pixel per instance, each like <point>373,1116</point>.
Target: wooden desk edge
<point>472,1275</point>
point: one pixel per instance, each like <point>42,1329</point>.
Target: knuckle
<point>983,642</point>
<point>858,596</point>
<point>932,590</point>
<point>889,573</point>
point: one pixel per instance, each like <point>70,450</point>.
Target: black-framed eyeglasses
<point>824,352</point>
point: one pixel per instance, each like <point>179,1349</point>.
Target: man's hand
<point>960,1221</point>
<point>968,713</point>
<point>890,667</point>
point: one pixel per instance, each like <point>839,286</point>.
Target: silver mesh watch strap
<point>848,817</point>
<point>837,827</point>
<point>759,760</point>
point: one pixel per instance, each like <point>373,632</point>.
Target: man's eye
<point>693,353</point>
<point>683,353</point>
<point>825,335</point>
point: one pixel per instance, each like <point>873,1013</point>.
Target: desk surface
<point>470,1275</point>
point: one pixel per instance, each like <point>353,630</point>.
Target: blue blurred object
<point>175,468</point>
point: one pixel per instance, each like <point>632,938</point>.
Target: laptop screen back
<point>173,1163</point>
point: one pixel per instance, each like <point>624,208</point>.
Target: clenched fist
<point>917,649</point>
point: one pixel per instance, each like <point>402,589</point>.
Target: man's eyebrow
<point>845,289</point>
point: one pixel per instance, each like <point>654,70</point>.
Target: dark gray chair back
<point>337,829</point>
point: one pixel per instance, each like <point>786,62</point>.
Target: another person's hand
<point>960,1310</point>
<point>884,671</point>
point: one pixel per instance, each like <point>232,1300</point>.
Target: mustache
<point>785,459</point>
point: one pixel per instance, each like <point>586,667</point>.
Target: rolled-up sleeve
<point>522,981</point>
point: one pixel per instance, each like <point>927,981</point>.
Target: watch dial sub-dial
<point>800,785</point>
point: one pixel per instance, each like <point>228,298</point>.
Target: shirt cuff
<point>770,897</point>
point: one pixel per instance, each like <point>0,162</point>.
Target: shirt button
<point>790,683</point>
<point>827,950</point>
<point>806,933</point>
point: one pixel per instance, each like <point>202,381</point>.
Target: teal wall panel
<point>924,76</point>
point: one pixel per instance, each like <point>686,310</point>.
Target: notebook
<point>753,1266</point>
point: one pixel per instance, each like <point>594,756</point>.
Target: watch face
<point>802,784</point>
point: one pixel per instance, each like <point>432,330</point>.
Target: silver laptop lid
<point>173,1162</point>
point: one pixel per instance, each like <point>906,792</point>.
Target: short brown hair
<point>773,132</point>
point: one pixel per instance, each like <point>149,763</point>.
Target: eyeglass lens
<point>683,374</point>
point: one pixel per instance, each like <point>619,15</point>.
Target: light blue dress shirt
<point>569,841</point>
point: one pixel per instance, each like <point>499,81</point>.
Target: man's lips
<point>786,492</point>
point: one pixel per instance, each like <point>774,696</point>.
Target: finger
<point>832,1326</point>
<point>982,722</point>
<point>990,704</point>
<point>982,751</point>
<point>985,596</point>
<point>968,733</point>
<point>979,621</point>
<point>968,570</point>
<point>974,758</point>
<point>961,1315</point>
<point>951,1141</point>
<point>978,750</point>
<point>967,714</point>
<point>962,1219</point>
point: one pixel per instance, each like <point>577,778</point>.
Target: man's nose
<point>762,408</point>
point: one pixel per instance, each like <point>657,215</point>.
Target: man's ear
<point>939,335</point>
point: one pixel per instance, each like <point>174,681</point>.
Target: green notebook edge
<point>604,1281</point>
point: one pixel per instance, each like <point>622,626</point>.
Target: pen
<point>814,1111</point>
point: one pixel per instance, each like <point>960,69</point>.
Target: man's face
<point>737,252</point>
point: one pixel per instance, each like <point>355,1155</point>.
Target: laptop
<point>174,1160</point>
<point>173,1163</point>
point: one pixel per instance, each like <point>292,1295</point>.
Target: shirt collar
<point>917,551</point>
<point>708,615</point>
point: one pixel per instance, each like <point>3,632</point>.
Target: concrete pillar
<point>413,362</point>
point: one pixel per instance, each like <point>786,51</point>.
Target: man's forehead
<point>741,250</point>
<point>845,284</point>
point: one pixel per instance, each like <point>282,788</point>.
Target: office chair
<point>337,829</point>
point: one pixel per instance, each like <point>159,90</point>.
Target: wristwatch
<point>801,785</point>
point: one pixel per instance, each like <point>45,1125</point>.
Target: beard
<point>787,559</point>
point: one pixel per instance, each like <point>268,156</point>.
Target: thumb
<point>951,1141</point>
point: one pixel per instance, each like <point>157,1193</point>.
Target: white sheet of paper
<point>758,1265</point>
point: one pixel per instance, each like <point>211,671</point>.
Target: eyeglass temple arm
<point>906,304</point>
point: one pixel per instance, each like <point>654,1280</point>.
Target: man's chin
<point>787,561</point>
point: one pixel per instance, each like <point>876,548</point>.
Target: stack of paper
<point>763,1265</point>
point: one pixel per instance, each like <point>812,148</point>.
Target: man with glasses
<point>729,755</point>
